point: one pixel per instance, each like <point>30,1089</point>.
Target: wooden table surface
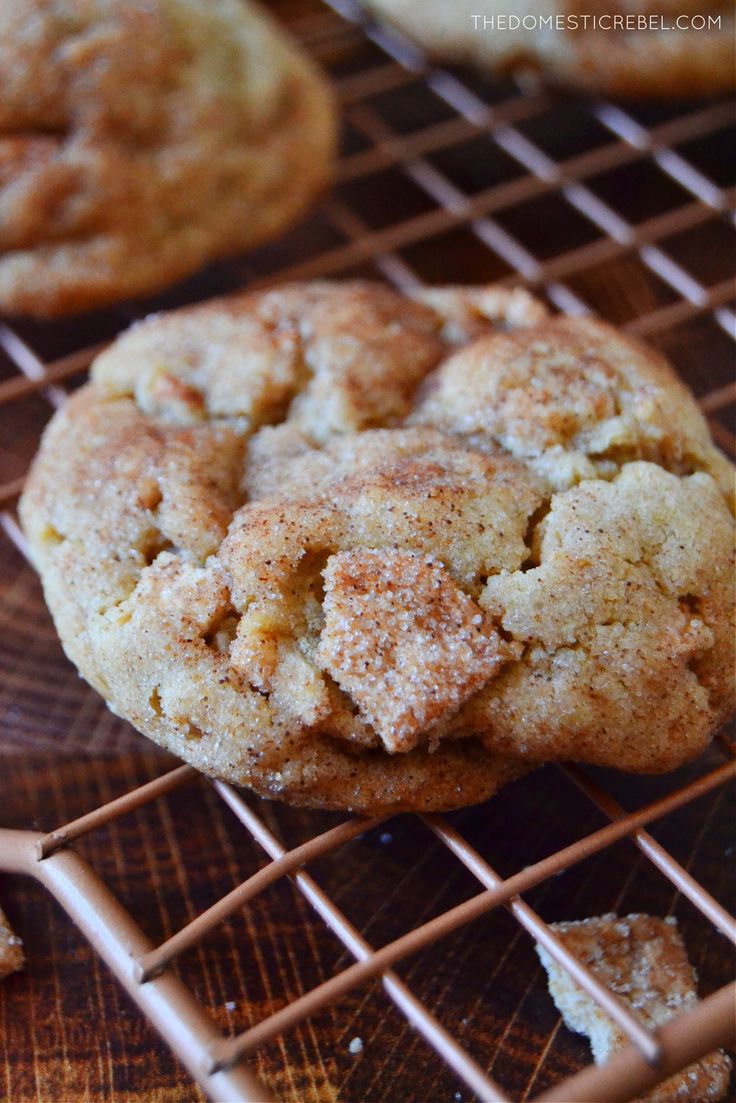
<point>67,1030</point>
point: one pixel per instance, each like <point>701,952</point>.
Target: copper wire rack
<point>445,176</point>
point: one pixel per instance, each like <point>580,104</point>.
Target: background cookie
<point>286,594</point>
<point>627,62</point>
<point>141,139</point>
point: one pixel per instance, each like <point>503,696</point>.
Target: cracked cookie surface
<point>141,138</point>
<point>366,551</point>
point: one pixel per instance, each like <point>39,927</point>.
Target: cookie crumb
<point>230,1005</point>
<point>356,1046</point>
<point>11,949</point>
<point>641,959</point>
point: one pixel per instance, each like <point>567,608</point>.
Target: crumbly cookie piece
<point>626,615</point>
<point>142,138</point>
<point>257,559</point>
<point>329,358</point>
<point>552,38</point>
<point>642,960</point>
<point>404,641</point>
<point>418,498</point>
<point>11,949</point>
<point>574,399</point>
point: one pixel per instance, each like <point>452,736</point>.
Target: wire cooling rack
<point>445,176</point>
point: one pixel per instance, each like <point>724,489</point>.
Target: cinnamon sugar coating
<point>642,959</point>
<point>404,641</point>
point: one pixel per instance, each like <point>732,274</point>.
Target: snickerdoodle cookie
<point>361,550</point>
<point>628,48</point>
<point>142,138</point>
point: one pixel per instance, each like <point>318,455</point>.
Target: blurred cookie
<point>642,960</point>
<point>140,139</point>
<point>361,550</point>
<point>628,48</point>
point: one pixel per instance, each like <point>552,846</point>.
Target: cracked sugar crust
<point>325,358</point>
<point>573,399</point>
<point>642,959</point>
<point>141,138</point>
<point>328,358</point>
<point>627,622</point>
<point>379,491</point>
<point>406,643</point>
<point>203,511</point>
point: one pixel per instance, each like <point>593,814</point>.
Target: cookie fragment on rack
<point>11,949</point>
<point>641,959</point>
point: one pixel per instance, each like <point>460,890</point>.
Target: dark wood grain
<point>67,1030</point>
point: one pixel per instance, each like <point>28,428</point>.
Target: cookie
<point>365,551</point>
<point>142,138</point>
<point>629,48</point>
<point>642,960</point>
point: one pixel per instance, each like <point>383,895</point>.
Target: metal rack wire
<point>357,232</point>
